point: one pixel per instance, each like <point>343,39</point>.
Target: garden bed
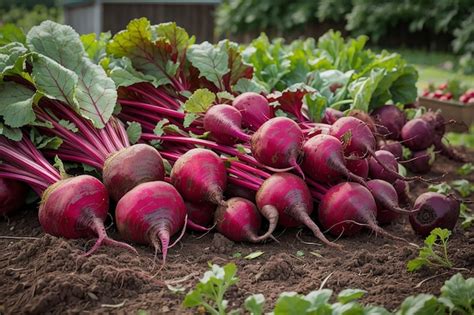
<point>48,274</point>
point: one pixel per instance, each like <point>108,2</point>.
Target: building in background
<point>87,16</point>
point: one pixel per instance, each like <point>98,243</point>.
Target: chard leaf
<point>212,62</point>
<point>151,57</point>
<point>134,131</point>
<point>68,125</point>
<point>200,101</point>
<point>316,104</point>
<point>54,80</point>
<point>16,105</point>
<point>362,89</point>
<point>10,133</point>
<point>349,295</point>
<point>404,89</point>
<point>95,92</point>
<point>460,292</point>
<point>254,304</point>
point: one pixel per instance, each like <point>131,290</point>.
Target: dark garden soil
<point>44,274</point>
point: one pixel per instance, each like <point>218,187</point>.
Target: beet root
<point>240,221</point>
<point>289,196</point>
<point>278,143</point>
<point>434,210</point>
<point>254,108</point>
<point>77,207</point>
<point>200,175</point>
<point>150,214</point>
<point>389,121</point>
<point>130,167</point>
<point>12,195</point>
<point>224,123</point>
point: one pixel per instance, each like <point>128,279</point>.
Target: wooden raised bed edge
<point>462,113</point>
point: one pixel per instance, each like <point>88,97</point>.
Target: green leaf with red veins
<point>54,80</point>
<point>238,68</point>
<point>16,104</point>
<point>291,99</point>
<point>148,55</point>
<point>211,61</point>
<point>177,37</point>
<point>95,92</point>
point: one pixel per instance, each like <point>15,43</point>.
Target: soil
<point>43,274</point>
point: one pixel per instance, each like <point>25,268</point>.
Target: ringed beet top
<point>184,136</point>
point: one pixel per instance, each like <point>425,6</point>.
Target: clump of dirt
<point>221,245</point>
<point>279,267</point>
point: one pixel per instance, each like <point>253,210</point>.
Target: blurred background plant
<point>28,13</point>
<point>442,25</point>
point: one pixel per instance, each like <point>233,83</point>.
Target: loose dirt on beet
<point>43,274</point>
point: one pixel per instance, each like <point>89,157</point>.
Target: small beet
<point>240,221</point>
<point>389,121</point>
<point>417,134</point>
<point>434,210</point>
<point>224,123</point>
<point>12,195</point>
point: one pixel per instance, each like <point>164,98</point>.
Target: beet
<point>224,123</point>
<point>151,213</point>
<point>200,175</point>
<point>417,134</point>
<point>129,167</point>
<point>420,162</point>
<point>434,210</point>
<point>324,160</point>
<point>289,196</point>
<point>200,213</point>
<point>389,121</point>
<point>240,221</point>
<point>278,143</point>
<point>331,115</point>
<point>12,195</point>
<point>77,207</point>
<point>393,147</point>
<point>254,108</point>
<point>360,167</point>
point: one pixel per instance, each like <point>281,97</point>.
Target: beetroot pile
<point>175,134</point>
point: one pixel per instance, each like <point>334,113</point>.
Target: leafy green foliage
<point>457,297</point>
<point>466,215</point>
<point>199,101</point>
<point>343,71</point>
<point>434,253</point>
<point>463,187</point>
<point>466,169</point>
<point>209,292</point>
<point>441,188</point>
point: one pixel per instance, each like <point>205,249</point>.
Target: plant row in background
<point>182,134</point>
<point>451,19</point>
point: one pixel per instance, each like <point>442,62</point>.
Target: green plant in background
<point>434,253</point>
<point>457,297</point>
<point>28,13</point>
<point>452,18</point>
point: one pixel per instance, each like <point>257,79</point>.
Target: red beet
<point>12,195</point>
<point>288,195</point>
<point>200,175</point>
<point>76,207</point>
<point>417,134</point>
<point>331,115</point>
<point>324,160</point>
<point>240,221</point>
<point>224,123</point>
<point>151,213</point>
<point>129,167</point>
<point>254,108</point>
<point>435,210</point>
<point>393,147</point>
<point>389,121</point>
<point>360,167</point>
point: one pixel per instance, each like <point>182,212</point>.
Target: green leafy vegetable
<point>463,187</point>
<point>16,104</point>
<point>466,215</point>
<point>434,253</point>
<point>211,61</point>
<point>442,188</point>
<point>466,169</point>
<point>254,255</point>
